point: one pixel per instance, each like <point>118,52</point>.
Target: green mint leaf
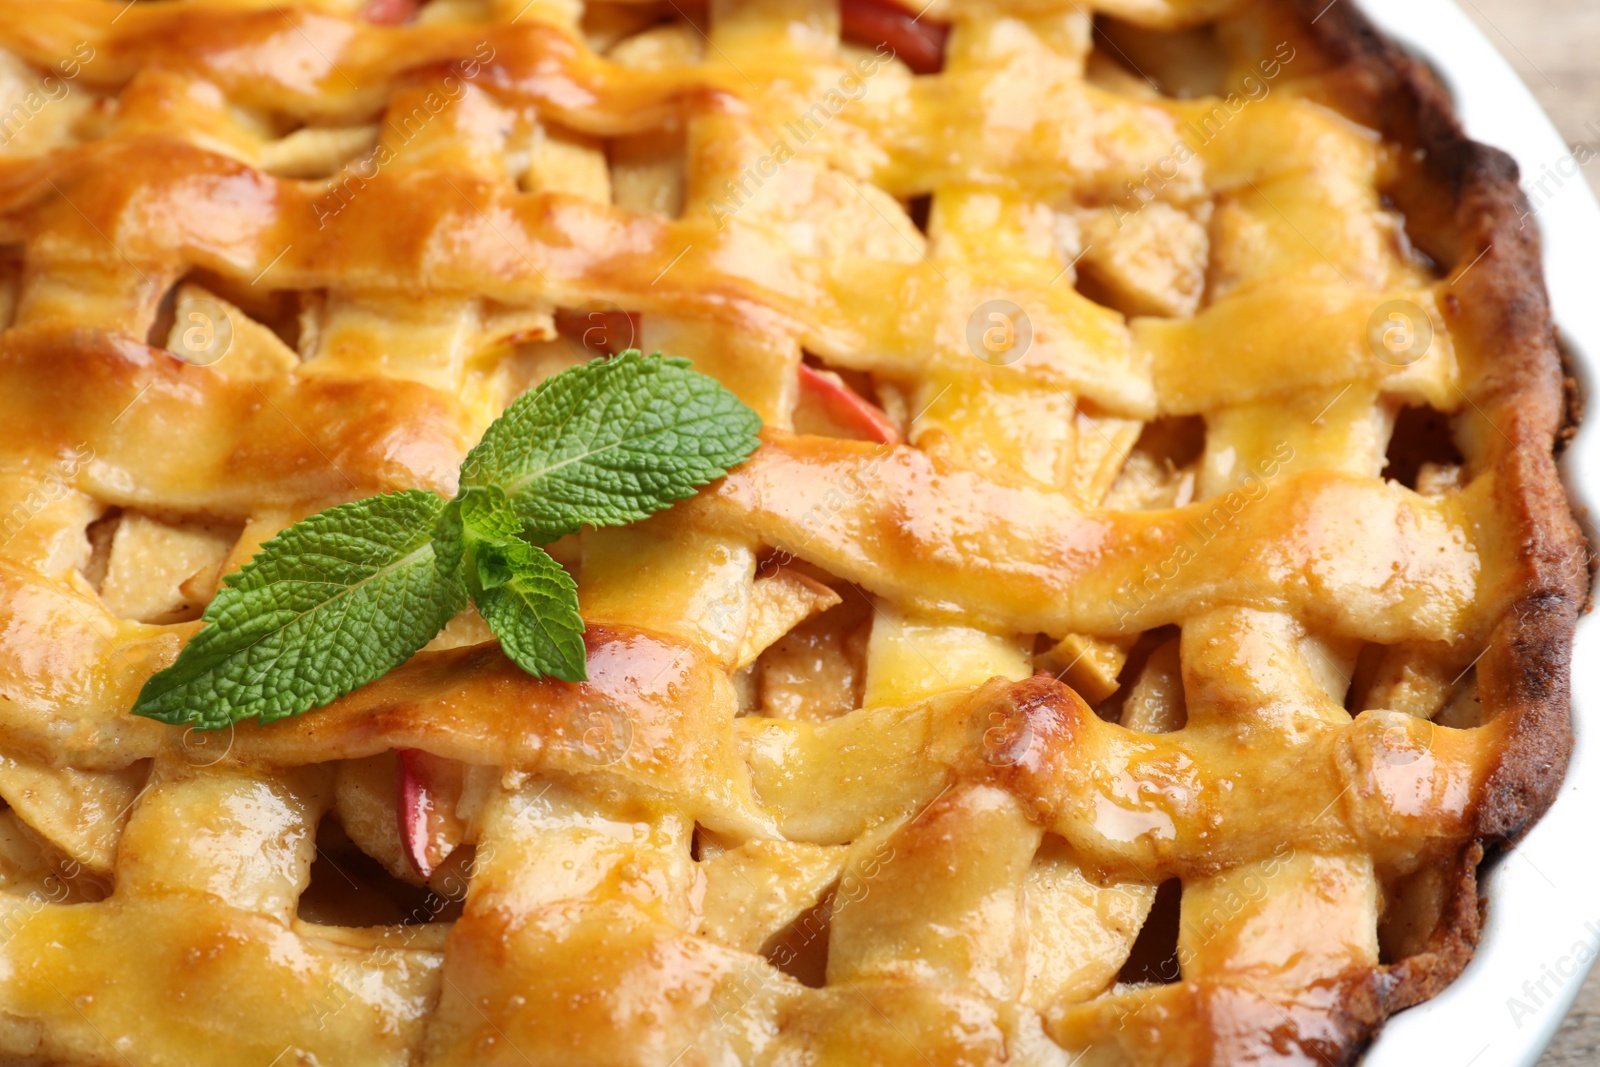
<point>534,613</point>
<point>609,443</point>
<point>529,602</point>
<point>331,603</point>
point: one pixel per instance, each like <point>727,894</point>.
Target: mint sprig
<point>345,596</point>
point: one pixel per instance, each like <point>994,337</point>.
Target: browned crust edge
<point>1525,394</point>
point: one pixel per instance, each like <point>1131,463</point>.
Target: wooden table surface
<point>1553,44</point>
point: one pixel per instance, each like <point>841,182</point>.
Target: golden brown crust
<point>1531,407</point>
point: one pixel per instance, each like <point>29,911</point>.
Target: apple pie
<point>1150,602</point>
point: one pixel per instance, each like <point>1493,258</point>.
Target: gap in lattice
<point>598,329</point>
<point>1110,709</point>
<point>1154,957</point>
<point>1422,453</point>
<point>649,172</point>
<point>350,888</point>
<point>817,671</point>
<point>800,950</point>
<point>918,209</point>
<point>100,533</point>
<point>1182,64</point>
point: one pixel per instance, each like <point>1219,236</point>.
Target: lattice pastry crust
<point>1142,683</point>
